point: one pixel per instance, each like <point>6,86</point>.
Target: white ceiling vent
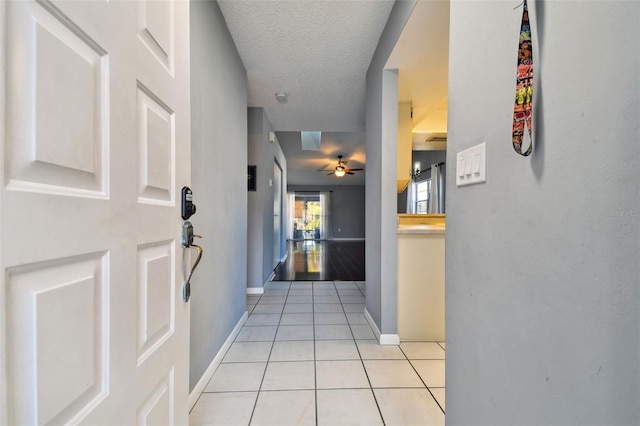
<point>438,137</point>
<point>429,141</point>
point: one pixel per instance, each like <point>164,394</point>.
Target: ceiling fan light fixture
<point>339,173</point>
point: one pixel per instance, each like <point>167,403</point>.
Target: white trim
<point>271,277</point>
<point>208,374</point>
<point>389,339</point>
<point>383,339</point>
<point>284,258</point>
<point>347,239</point>
<point>372,323</point>
<point>255,290</point>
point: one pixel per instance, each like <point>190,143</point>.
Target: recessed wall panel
<point>156,296</point>
<point>156,148</point>
<point>58,128</point>
<point>58,338</point>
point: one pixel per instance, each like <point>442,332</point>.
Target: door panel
<point>157,408</point>
<point>95,103</point>
<point>156,29</point>
<point>57,126</point>
<point>49,346</point>
<point>156,298</point>
<point>156,140</point>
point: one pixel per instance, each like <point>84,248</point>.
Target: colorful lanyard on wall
<point>524,87</point>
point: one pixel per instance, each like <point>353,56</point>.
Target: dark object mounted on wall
<point>251,178</point>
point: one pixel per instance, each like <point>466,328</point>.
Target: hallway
<point>307,356</point>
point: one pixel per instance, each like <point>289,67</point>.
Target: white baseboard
<point>284,258</point>
<point>389,339</point>
<point>271,277</point>
<point>383,339</point>
<point>255,290</point>
<point>208,374</point>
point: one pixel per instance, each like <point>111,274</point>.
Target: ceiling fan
<point>341,169</point>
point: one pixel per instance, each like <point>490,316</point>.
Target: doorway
<point>307,216</point>
<point>277,214</point>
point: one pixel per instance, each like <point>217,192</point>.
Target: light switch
<point>467,167</point>
<point>472,164</point>
<point>476,164</point>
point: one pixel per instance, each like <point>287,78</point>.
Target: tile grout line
<point>424,383</point>
<point>255,404</point>
<point>355,342</point>
<point>221,362</point>
<point>224,356</point>
<point>315,359</point>
<point>315,366</point>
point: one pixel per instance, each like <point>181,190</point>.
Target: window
<point>306,219</point>
<point>423,195</point>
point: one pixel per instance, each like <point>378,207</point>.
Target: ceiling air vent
<point>429,141</point>
<point>436,138</point>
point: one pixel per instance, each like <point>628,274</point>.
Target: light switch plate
<point>471,165</point>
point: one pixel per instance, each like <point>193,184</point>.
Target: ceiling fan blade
<point>329,174</point>
<point>355,170</point>
<point>350,173</point>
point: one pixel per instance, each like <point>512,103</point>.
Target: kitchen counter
<point>421,229</point>
<point>421,281</point>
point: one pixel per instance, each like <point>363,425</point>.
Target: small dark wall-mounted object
<point>251,178</point>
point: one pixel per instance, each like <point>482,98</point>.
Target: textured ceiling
<point>318,52</point>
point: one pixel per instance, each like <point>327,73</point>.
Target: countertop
<point>421,229</point>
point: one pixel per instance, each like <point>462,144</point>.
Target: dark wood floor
<point>322,261</point>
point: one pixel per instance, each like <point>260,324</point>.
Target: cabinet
<point>421,282</point>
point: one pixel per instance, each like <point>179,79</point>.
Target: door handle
<point>186,288</point>
<point>187,242</point>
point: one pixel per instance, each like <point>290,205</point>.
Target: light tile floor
<point>307,356</point>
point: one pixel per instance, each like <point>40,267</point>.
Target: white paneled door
<point>95,144</point>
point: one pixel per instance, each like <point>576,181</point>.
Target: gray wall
<point>262,154</point>
<point>219,175</point>
<point>347,208</point>
<point>381,190</point>
<point>542,261</point>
